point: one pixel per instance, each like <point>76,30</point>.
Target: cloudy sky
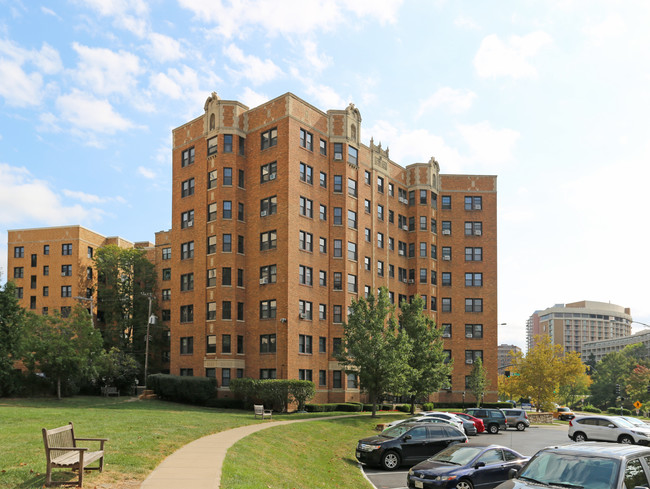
<point>553,97</point>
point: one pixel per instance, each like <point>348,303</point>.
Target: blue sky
<point>550,96</point>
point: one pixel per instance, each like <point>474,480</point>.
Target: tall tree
<point>428,370</point>
<point>573,378</point>
<point>638,383</point>
<point>63,348</point>
<point>508,387</point>
<point>614,368</point>
<point>373,348</point>
<point>12,320</point>
<point>126,280</point>
<point>478,381</point>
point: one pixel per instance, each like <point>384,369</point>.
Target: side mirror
<point>407,437</point>
<point>478,465</point>
<point>512,473</point>
<point>611,426</point>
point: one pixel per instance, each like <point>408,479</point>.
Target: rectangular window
<point>213,145</point>
<point>187,313</point>
<point>352,251</point>
<point>473,228</point>
<point>187,282</point>
<point>46,249</point>
<point>211,344</point>
<point>352,187</point>
<point>226,244</point>
<point>166,294</point>
<point>306,207</point>
<point>337,317</point>
<point>227,143</point>
<point>306,173</point>
<point>226,276</point>
<point>166,253</point>
<point>380,212</point>
<point>446,253</point>
<point>473,305</point>
<point>353,155</point>
<point>473,280</point>
<point>380,240</point>
<point>269,206</point>
<point>66,291</point>
<point>474,331</point>
<point>18,272</point>
<point>305,310</point>
<point>66,249</point>
<point>306,140</point>
<point>225,377</point>
<point>187,219</point>
<point>211,312</point>
<point>472,355</point>
<point>267,343</point>
<point>225,343</point>
<point>227,177</point>
<point>268,309</point>
<point>268,172</point>
<point>322,212</point>
<point>338,184</point>
<point>46,270</point>
<point>267,373</point>
<point>323,179</point>
<point>336,379</point>
<point>187,250</point>
<point>187,157</point>
<point>304,344</point>
<point>322,245</point>
<point>352,283</point>
<point>304,374</point>
<point>338,151</point>
<point>323,147</point>
<point>380,268</point>
<point>322,378</point>
<point>268,240</point>
<point>240,344</point>
<point>446,304</point>
<point>227,209</point>
<point>473,254</point>
<point>352,219</point>
<point>306,241</point>
<point>338,248</point>
<point>473,203</point>
<point>446,202</point>
<point>242,145</point>
<point>212,245</point>
<point>338,281</point>
<point>322,278</point>
<point>240,211</point>
<point>338,216</point>
<point>305,275</point>
<point>187,188</point>
<point>46,291</point>
<point>446,330</point>
<point>268,274</point>
<point>446,279</point>
<point>19,251</point>
<point>187,345</point>
<point>240,313</point>
<point>322,312</point>
<point>241,180</point>
<point>269,138</point>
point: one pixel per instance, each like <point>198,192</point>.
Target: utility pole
<point>150,321</point>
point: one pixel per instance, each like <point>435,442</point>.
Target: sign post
<point>637,406</point>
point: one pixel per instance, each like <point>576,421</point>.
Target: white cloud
<point>146,173</point>
<point>318,61</point>
<point>164,48</point>
<point>87,198</point>
<point>106,72</point>
<point>610,28</point>
<point>24,198</point>
<point>127,14</point>
<point>90,115</point>
<point>456,100</point>
<point>51,12</point>
<point>252,67</point>
<point>466,23</point>
<point>385,11</point>
<point>252,99</point>
<point>497,58</point>
<point>489,147</point>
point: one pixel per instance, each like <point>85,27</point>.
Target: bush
<point>590,409</point>
<point>427,406</point>
<point>191,390</point>
<point>404,408</point>
<point>349,407</point>
<point>273,393</point>
<point>615,411</point>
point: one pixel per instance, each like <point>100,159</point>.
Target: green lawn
<point>141,433</point>
<point>317,454</point>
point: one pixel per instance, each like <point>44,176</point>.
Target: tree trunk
<point>373,400</point>
<point>58,388</point>
<point>413,404</point>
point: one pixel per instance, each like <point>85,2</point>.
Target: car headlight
<point>640,433</point>
<point>368,448</point>
<point>445,478</point>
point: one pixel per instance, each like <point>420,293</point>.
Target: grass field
<point>141,433</point>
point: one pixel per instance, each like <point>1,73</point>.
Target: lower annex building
<point>281,217</point>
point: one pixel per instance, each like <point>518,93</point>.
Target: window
<point>19,251</point>
<point>391,243</point>
<point>473,280</point>
<point>472,355</point>
<point>338,151</point>
<point>46,270</point>
<point>338,248</point>
<point>446,304</point>
<point>18,272</point>
<point>337,317</point>
<point>352,381</point>
<point>322,312</point>
<point>322,278</point>
<point>241,181</point>
<point>212,179</point>
<point>166,294</point>
<point>305,275</point>
<point>338,216</point>
<point>423,249</point>
<point>240,277</point>
<point>46,249</point>
<point>166,253</point>
<point>306,140</point>
<point>474,331</point>
<point>267,373</point>
<point>225,377</point>
<point>338,183</point>
<point>304,374</point>
<point>473,228</point>
<point>187,372</point>
<point>269,138</point>
<point>187,345</point>
<point>90,252</point>
<point>211,313</point>
<point>352,219</point>
<point>634,474</point>
<point>323,147</point>
<point>187,250</point>
<point>213,145</point>
<point>240,344</point>
<point>473,254</point>
<point>352,283</point>
<point>446,279</point>
<point>211,280</point>
<point>227,143</point>
<point>336,379</point>
<point>446,228</point>
<point>322,344</point>
<point>423,196</point>
<point>322,212</point>
<point>446,253</point>
<point>380,240</point>
<point>225,343</point>
<point>187,188</point>
<point>187,313</point>
<point>423,223</point>
<point>353,155</point>
<point>338,281</point>
<point>423,276</point>
<point>380,268</point>
<point>268,172</point>
<point>412,197</point>
<point>240,211</point>
<point>267,343</point>
<point>268,240</point>
<point>166,315</point>
<point>66,249</point>
<point>46,291</point>
<point>352,251</point>
<point>367,206</point>
<point>268,274</point>
<point>306,241</point>
<point>306,173</point>
<point>66,291</point>
<point>323,179</point>
<point>242,145</point>
<point>473,203</point>
<point>268,206</point>
<point>19,292</point>
<point>446,202</point>
<point>352,187</point>
<point>211,344</point>
<point>187,157</point>
<point>304,344</point>
<point>226,276</point>
<point>212,245</point>
<point>380,212</point>
<point>268,309</point>
<point>187,282</point>
<point>306,207</point>
<point>226,211</point>
<point>322,245</point>
<point>226,243</point>
<point>446,330</point>
<point>227,177</point>
<point>187,219</point>
<point>473,305</point>
<point>240,244</point>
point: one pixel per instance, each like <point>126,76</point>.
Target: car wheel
<point>579,436</point>
<point>521,426</point>
<point>493,429</point>
<point>464,484</point>
<point>390,460</point>
<point>626,439</point>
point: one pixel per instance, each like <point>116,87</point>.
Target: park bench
<point>110,391</point>
<point>260,411</point>
<point>62,452</point>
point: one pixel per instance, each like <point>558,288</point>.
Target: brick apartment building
<point>281,216</point>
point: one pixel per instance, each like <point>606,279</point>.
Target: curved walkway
<point>198,464</point>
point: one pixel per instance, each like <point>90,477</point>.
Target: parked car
<point>421,419</point>
<point>607,428</point>
<point>493,419</point>
<point>443,415</point>
<point>517,418</point>
<point>564,414</point>
<point>478,422</point>
<point>407,443</point>
<point>465,467</point>
<point>585,466</point>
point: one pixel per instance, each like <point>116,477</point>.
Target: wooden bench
<point>62,452</point>
<point>260,411</point>
<point>110,391</point>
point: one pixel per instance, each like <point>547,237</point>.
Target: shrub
<point>615,411</point>
<point>590,409</point>
<point>427,406</point>
<point>404,408</point>
<point>192,390</point>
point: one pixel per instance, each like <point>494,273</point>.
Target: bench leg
<point>48,475</point>
<point>81,469</point>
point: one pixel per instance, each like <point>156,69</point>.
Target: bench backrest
<point>259,408</point>
<point>58,437</point>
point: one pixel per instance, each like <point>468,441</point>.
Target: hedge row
<point>616,411</point>
<point>192,390</point>
<point>272,393</point>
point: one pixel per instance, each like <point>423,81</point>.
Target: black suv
<point>587,465</point>
<point>407,443</point>
<point>493,419</point>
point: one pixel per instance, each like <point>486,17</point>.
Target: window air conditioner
<point>190,223</point>
<point>477,207</point>
<point>446,335</point>
<point>405,227</point>
<point>63,274</point>
<point>469,335</point>
<point>411,281</point>
<point>338,157</point>
<point>263,213</point>
<point>446,232</point>
<point>469,361</point>
<point>264,281</point>
<point>272,176</point>
<point>477,232</point>
<point>301,316</point>
<point>401,252</point>
<point>446,257</point>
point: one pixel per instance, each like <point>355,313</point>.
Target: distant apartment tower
<point>572,325</point>
<point>600,348</point>
<point>505,357</point>
<point>281,216</point>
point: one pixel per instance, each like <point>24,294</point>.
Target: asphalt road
<point>526,442</point>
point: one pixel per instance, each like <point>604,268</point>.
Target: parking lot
<point>526,442</point>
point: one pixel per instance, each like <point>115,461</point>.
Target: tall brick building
<point>281,216</point>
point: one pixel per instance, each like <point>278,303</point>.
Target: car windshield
<point>634,421</point>
<point>563,410</point>
<point>624,423</point>
<point>457,454</point>
<point>395,431</point>
<point>571,471</point>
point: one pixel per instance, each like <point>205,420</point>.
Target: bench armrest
<point>91,439</point>
<point>79,449</point>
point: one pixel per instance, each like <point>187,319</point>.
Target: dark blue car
<point>466,467</point>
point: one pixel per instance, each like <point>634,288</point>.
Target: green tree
<point>12,320</point>
<point>126,278</point>
<point>62,348</point>
<point>478,381</point>
<point>573,379</point>
<point>614,368</point>
<point>539,372</point>
<point>637,384</point>
<point>374,349</point>
<point>118,369</point>
<point>428,371</point>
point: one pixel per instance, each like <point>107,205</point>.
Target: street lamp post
<point>150,321</point>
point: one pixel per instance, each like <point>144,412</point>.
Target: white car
<point>458,422</point>
<point>607,428</point>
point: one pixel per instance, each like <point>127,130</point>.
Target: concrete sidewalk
<point>198,464</point>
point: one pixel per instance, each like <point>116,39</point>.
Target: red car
<point>478,422</point>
